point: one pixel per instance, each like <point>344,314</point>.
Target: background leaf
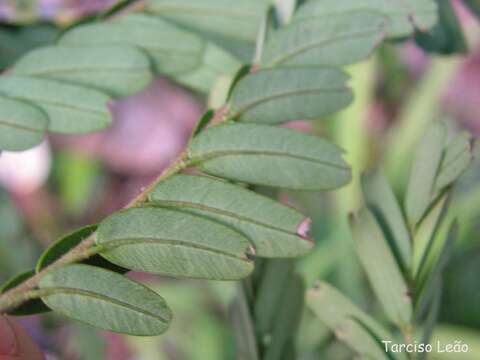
<point>446,37</point>
<point>404,16</point>
<point>230,24</point>
<point>424,171</point>
<point>381,268</point>
<point>457,157</point>
<point>342,317</point>
<point>337,39</point>
<point>380,199</point>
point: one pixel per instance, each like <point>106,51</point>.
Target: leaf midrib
<point>21,127</point>
<point>188,204</point>
<point>88,293</point>
<point>248,106</point>
<point>53,71</point>
<point>209,155</point>
<point>119,242</point>
<point>297,51</point>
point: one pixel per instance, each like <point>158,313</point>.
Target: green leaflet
<point>405,16</point>
<point>338,39</point>
<point>174,243</point>
<point>117,70</point>
<point>274,96</point>
<point>381,268</point>
<point>174,52</point>
<point>380,199</point>
<point>22,125</point>
<point>63,245</point>
<point>273,229</point>
<point>230,24</point>
<point>105,299</point>
<point>71,109</point>
<point>30,307</point>
<point>270,156</point>
<point>424,172</point>
<point>458,156</point>
<point>344,319</point>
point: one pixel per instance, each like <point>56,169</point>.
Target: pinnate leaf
<point>270,156</point>
<point>105,299</point>
<point>22,125</point>
<point>175,243</point>
<point>274,230</point>
<point>71,109</point>
<point>274,96</point>
<point>117,70</point>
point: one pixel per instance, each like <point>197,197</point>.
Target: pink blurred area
<point>149,129</point>
<point>65,10</point>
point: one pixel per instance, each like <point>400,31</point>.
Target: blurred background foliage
<point>68,182</point>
